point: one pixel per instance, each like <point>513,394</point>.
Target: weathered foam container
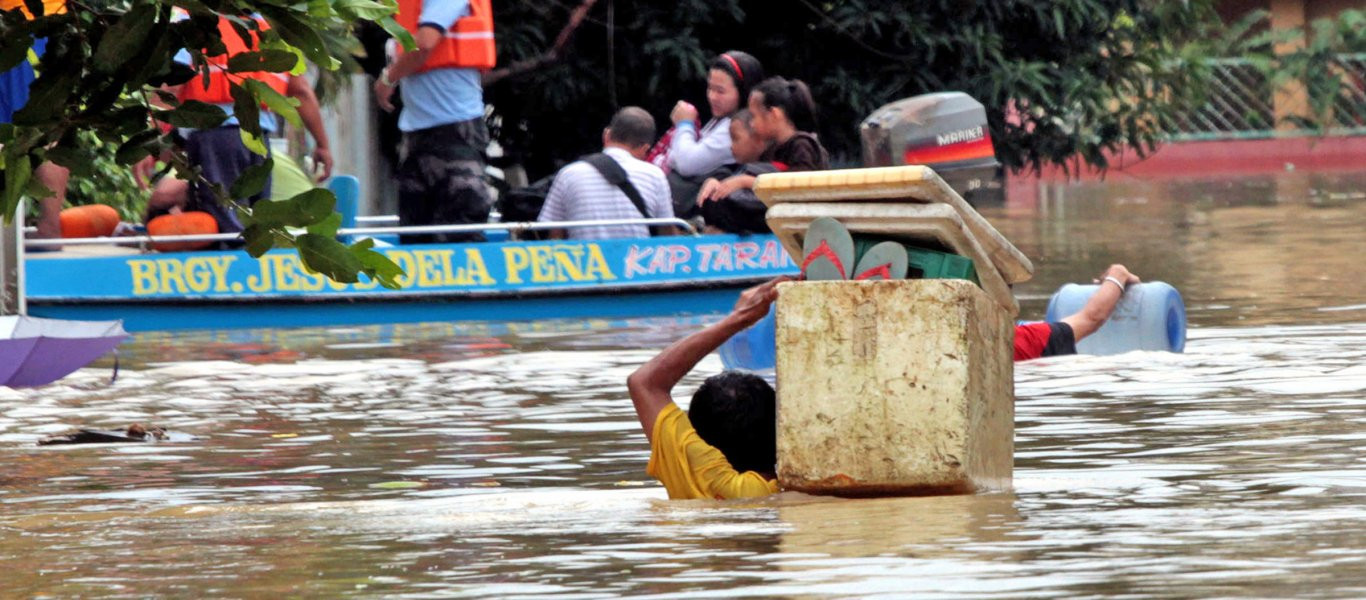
<point>935,223</point>
<point>906,184</point>
<point>893,387</point>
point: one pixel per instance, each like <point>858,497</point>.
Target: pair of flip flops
<point>829,251</point>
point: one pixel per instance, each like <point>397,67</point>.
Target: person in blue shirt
<point>441,170</point>
<point>14,85</point>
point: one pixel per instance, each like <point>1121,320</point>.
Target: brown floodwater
<point>504,460</point>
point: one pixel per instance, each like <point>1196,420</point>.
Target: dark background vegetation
<point>1086,75</point>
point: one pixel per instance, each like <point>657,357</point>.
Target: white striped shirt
<point>581,193</point>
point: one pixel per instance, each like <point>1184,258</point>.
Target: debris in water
<point>136,432</point>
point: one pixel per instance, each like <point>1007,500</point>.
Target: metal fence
<point>1240,103</point>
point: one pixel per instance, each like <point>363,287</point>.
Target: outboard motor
<point>947,132</point>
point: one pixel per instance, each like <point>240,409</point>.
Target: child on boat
<point>740,212</point>
<point>784,117</point>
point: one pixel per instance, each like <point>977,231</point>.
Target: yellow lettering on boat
<point>144,277</point>
<point>288,273</point>
<point>428,268</point>
<point>404,260</point>
<point>311,282</point>
<point>198,274</point>
<point>220,265</point>
<point>451,276</point>
<point>172,275</point>
<point>567,261</point>
<point>517,260</point>
<point>542,264</point>
<point>475,271</point>
<point>597,269</point>
<point>260,282</point>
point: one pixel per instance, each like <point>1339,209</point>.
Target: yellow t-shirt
<point>691,468</point>
<point>50,7</point>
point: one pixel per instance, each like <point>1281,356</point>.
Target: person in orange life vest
<point>1040,340</point>
<point>441,165</point>
<point>14,85</point>
<point>219,152</point>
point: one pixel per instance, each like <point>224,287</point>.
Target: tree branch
<point>576,18</point>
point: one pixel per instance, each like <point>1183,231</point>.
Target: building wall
<point>1232,10</point>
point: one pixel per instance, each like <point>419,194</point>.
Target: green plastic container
<point>926,263</point>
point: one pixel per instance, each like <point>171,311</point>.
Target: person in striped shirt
<point>581,192</point>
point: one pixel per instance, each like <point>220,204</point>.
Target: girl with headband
<point>689,153</point>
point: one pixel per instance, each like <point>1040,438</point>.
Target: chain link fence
<point>1240,104</point>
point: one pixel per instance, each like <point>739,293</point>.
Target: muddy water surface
<point>504,460</point>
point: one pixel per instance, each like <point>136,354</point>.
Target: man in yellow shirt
<point>726,446</point>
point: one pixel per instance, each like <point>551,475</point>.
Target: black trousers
<point>441,180</point>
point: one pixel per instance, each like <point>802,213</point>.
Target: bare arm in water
<point>1102,303</point>
<point>651,384</point>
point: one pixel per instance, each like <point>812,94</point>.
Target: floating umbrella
<point>37,351</point>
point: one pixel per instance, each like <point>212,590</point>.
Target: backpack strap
<point>615,175</point>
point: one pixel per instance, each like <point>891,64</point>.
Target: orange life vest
<point>91,220</point>
<point>219,91</point>
<point>50,7</point>
<point>186,223</point>
<point>468,45</point>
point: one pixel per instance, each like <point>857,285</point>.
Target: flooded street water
<point>504,459</point>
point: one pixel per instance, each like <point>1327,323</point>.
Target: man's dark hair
<point>737,413</point>
<point>632,126</point>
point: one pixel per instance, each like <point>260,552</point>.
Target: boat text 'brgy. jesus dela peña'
<point>457,267</point>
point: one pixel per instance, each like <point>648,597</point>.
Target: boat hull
<point>443,282</point>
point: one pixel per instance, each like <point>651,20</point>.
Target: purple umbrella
<point>37,351</point>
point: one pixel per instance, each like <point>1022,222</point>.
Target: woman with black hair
<point>690,151</point>
<point>687,153</point>
<point>785,115</point>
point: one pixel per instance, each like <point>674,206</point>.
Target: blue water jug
<point>754,348</point>
<point>1150,316</point>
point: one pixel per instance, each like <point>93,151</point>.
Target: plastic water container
<point>754,348</point>
<point>1150,316</point>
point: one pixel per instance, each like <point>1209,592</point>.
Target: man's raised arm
<point>651,384</point>
<point>1102,303</point>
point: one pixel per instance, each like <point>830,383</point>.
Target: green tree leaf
<point>327,227</point>
<point>136,147</point>
<point>121,42</point>
<point>400,34</point>
<point>300,35</point>
<point>326,255</point>
<point>365,9</point>
<point>80,161</point>
<point>301,210</point>
<point>260,239</point>
<point>278,103</point>
<point>252,180</point>
<point>194,114</point>
<point>377,266</point>
<point>18,172</point>
<point>274,61</point>
<point>247,109</point>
